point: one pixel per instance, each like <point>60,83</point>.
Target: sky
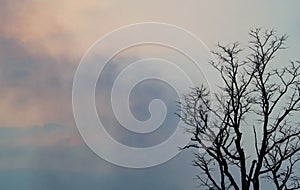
<point>41,46</point>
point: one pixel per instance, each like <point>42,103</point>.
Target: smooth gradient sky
<point>41,44</point>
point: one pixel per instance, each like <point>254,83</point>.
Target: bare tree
<point>257,101</point>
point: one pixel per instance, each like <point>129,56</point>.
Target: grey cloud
<point>64,166</point>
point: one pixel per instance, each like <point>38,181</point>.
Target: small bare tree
<point>257,102</point>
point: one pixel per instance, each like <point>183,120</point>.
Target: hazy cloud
<point>41,43</point>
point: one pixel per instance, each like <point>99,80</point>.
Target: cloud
<point>51,146</point>
<point>45,157</point>
<point>67,28</point>
<point>34,90</point>
<point>54,28</point>
<point>42,42</point>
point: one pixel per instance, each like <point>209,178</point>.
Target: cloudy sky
<point>41,45</point>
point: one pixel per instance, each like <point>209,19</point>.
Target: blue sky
<point>41,44</point>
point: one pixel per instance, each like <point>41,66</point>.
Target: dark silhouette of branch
<point>252,91</point>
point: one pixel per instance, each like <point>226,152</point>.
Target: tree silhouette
<point>259,102</point>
